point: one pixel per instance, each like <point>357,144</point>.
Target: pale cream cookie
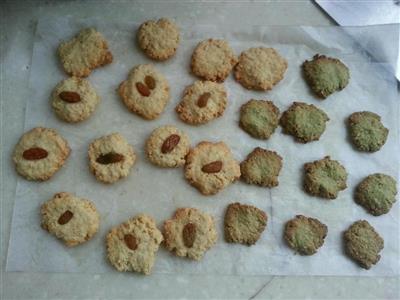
<point>132,245</point>
<point>85,52</point>
<point>145,92</point>
<point>190,233</point>
<point>71,219</point>
<point>202,102</point>
<point>111,158</point>
<point>210,167</point>
<point>40,153</point>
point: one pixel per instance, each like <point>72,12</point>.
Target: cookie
<point>210,167</point>
<point>111,158</point>
<point>213,60</point>
<point>202,102</point>
<point>158,39</point>
<point>259,118</point>
<point>325,75</point>
<point>190,233</point>
<point>363,244</point>
<point>74,99</point>
<point>145,92</point>
<point>244,224</point>
<point>260,68</point>
<point>261,167</point>
<point>40,153</point>
<point>305,122</point>
<point>305,235</point>
<point>376,193</point>
<point>167,147</point>
<point>83,53</point>
<point>72,219</point>
<point>132,245</point>
<point>324,178</point>
<point>367,132</point>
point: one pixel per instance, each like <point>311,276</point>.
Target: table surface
<point>18,20</point>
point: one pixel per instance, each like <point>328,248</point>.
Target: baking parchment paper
<point>159,192</point>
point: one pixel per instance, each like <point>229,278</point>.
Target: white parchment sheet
<point>159,192</point>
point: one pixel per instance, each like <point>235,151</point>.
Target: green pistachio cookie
<point>259,118</point>
<point>305,122</point>
<point>325,75</point>
<point>367,131</point>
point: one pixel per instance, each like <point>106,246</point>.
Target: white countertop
<point>18,19</point>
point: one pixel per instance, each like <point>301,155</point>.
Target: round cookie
<point>260,68</point>
<point>202,102</point>
<point>259,118</point>
<point>132,245</point>
<point>210,167</point>
<point>261,167</point>
<point>376,193</point>
<point>167,147</point>
<point>213,60</point>
<point>190,233</point>
<point>367,132</point>
<point>363,244</point>
<point>85,52</point>
<point>324,178</point>
<point>158,39</point>
<point>305,122</point>
<point>244,224</point>
<point>71,219</point>
<point>305,235</point>
<point>40,153</point>
<point>111,158</point>
<point>74,99</point>
<point>145,92</point>
<point>325,75</point>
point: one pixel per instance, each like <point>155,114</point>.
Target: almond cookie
<point>71,219</point>
<point>145,92</point>
<point>74,99</point>
<point>363,244</point>
<point>325,75</point>
<point>261,167</point>
<point>85,52</point>
<point>111,158</point>
<point>158,39</point>
<point>259,118</point>
<point>376,193</point>
<point>213,60</point>
<point>324,178</point>
<point>210,167</point>
<point>167,147</point>
<point>260,68</point>
<point>305,122</point>
<point>40,153</point>
<point>367,131</point>
<point>244,224</point>
<point>202,102</point>
<point>305,235</point>
<point>190,233</point>
<point>132,245</point>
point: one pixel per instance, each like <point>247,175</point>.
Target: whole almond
<point>189,234</point>
<point>130,241</point>
<point>170,143</point>
<point>65,217</point>
<point>70,97</point>
<point>150,82</point>
<point>142,89</point>
<point>213,167</point>
<point>110,158</point>
<point>203,100</point>
<point>35,153</point>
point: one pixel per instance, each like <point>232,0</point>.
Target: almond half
<point>212,167</point>
<point>110,158</point>
<point>35,153</point>
<point>70,97</point>
<point>142,89</point>
<point>189,234</point>
<point>130,241</point>
<point>203,100</point>
<point>65,217</point>
<point>170,143</point>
